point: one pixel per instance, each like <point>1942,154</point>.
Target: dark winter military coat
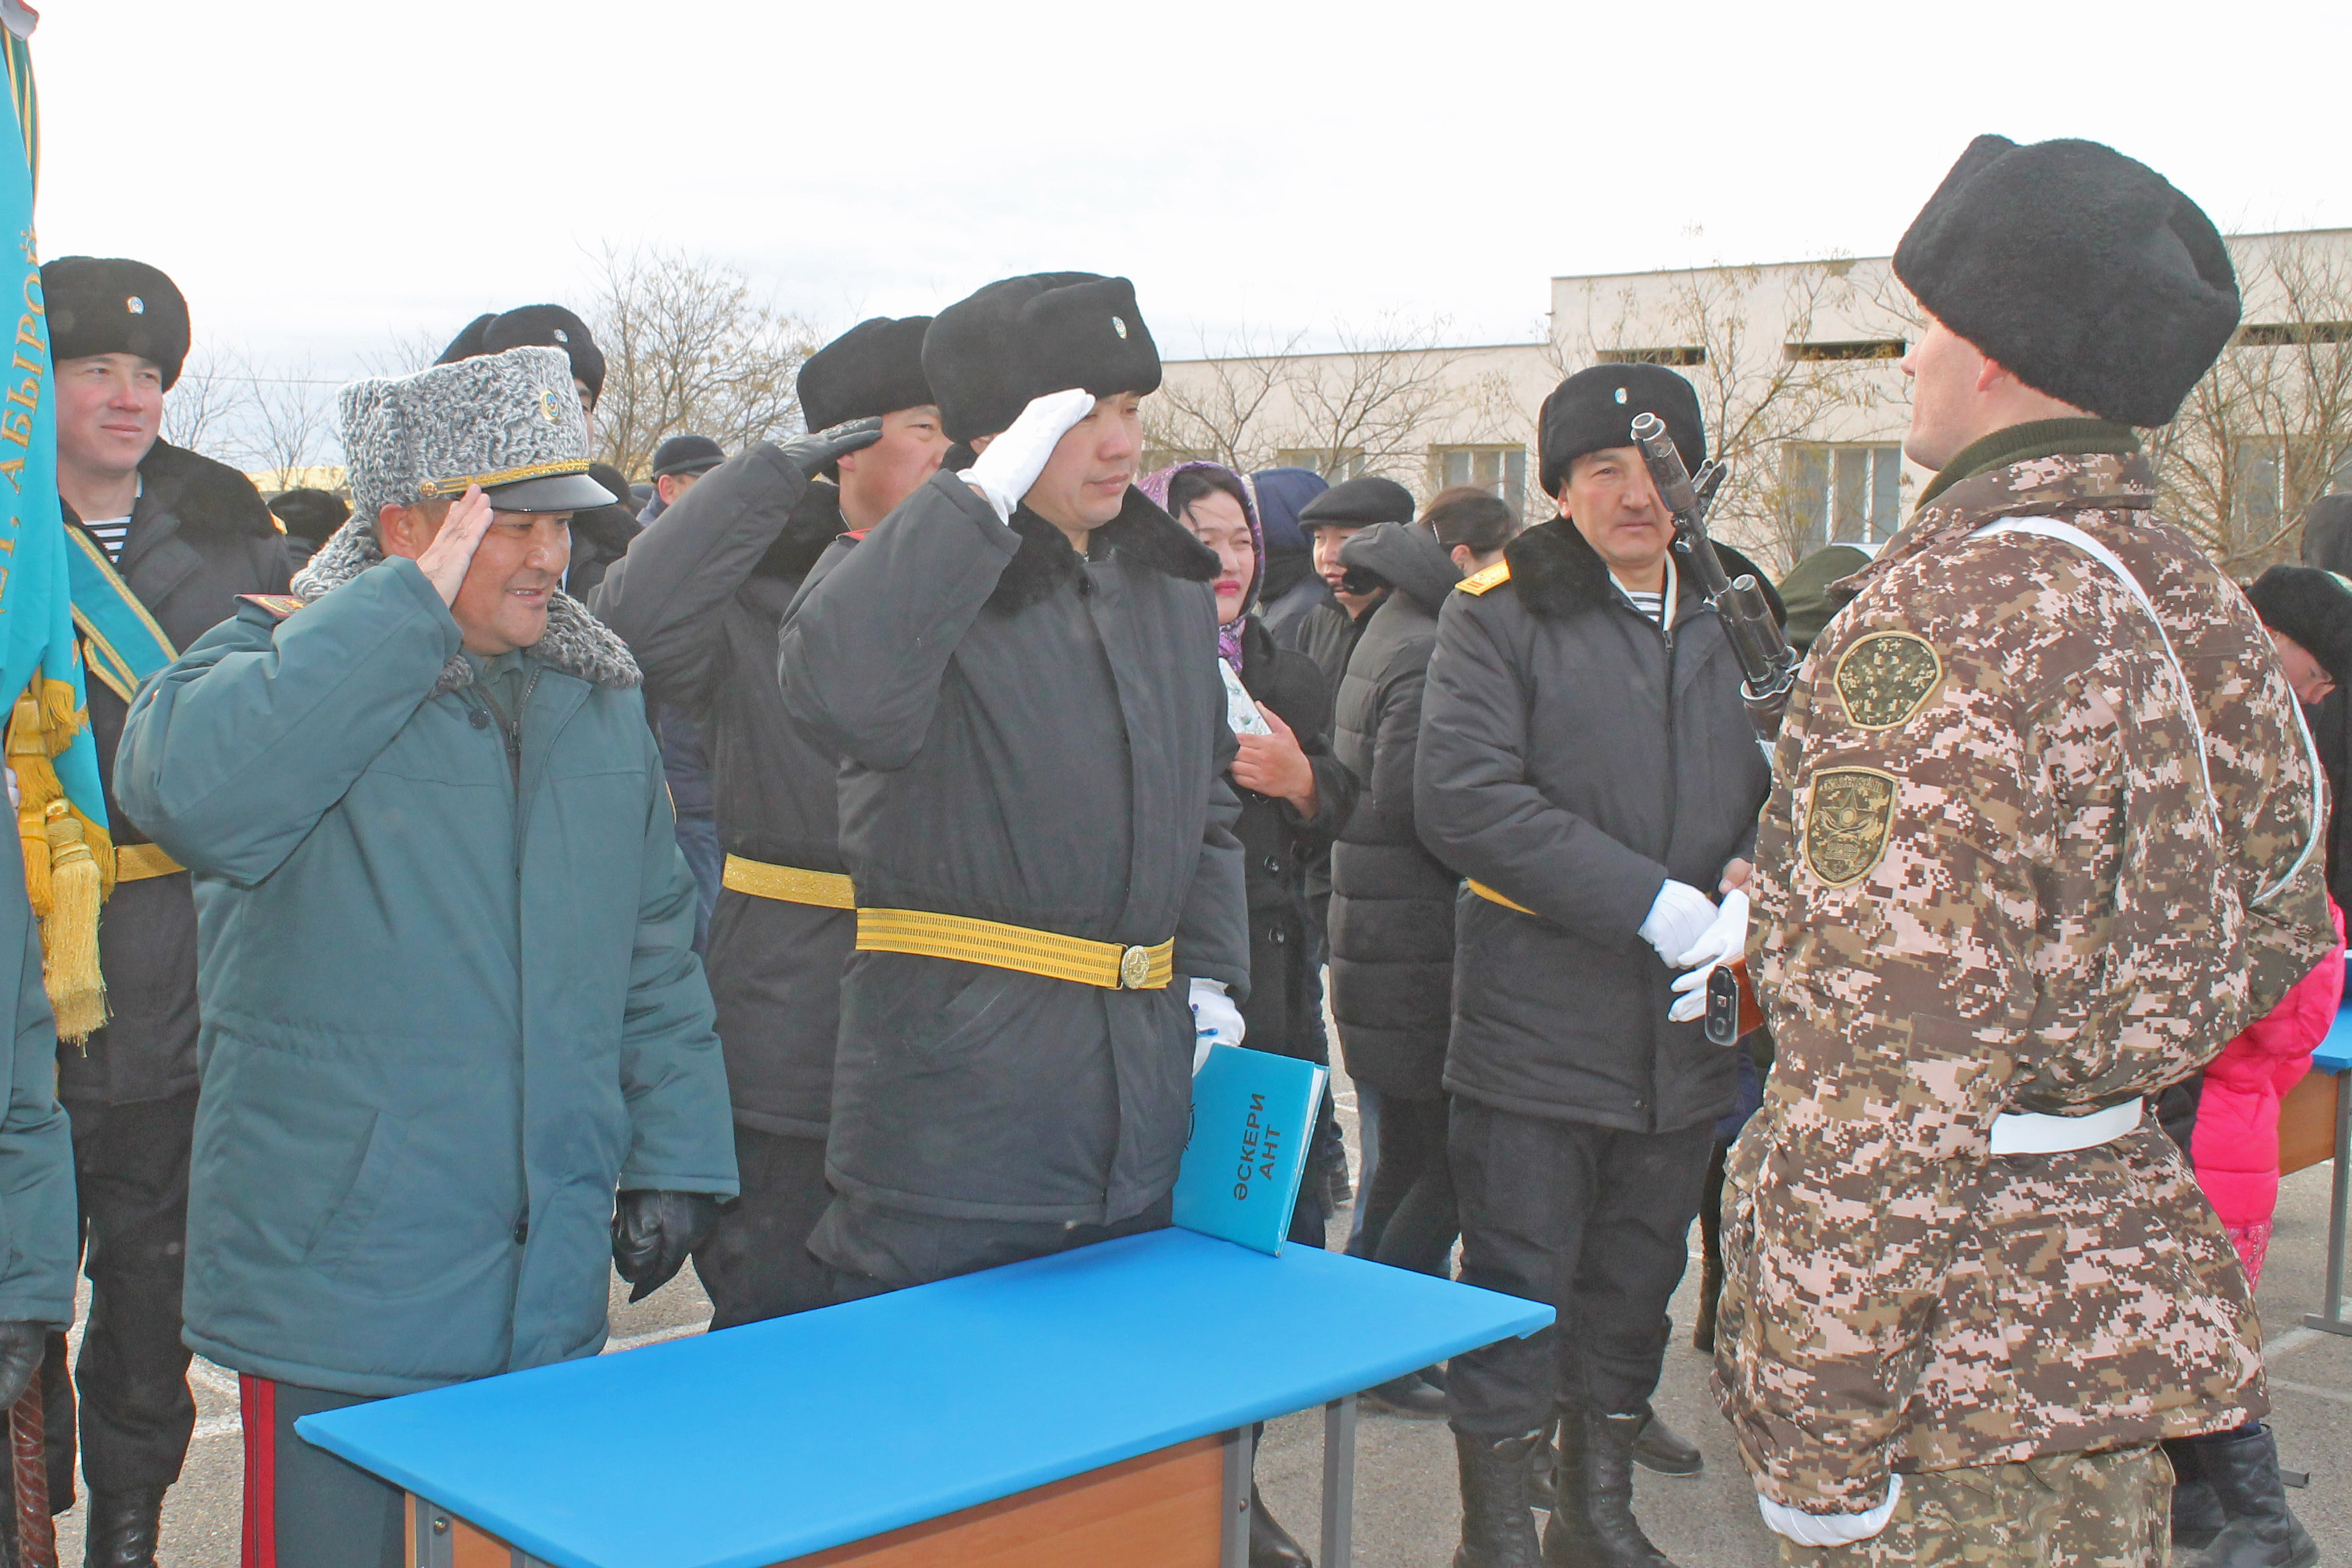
<point>1391,899</point>
<point>40,1237</point>
<point>700,598</point>
<point>1033,737</point>
<point>1278,844</point>
<point>451,1002</point>
<point>199,537</point>
<point>1573,757</point>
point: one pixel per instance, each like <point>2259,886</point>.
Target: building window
<point>2278,334</point>
<point>1498,470</point>
<point>1844,495</point>
<point>1863,348</point>
<point>1688,353</point>
<point>1332,465</point>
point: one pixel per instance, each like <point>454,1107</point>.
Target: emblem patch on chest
<point>1846,822</point>
<point>1887,676</point>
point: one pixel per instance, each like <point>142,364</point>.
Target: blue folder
<point>1253,1121</point>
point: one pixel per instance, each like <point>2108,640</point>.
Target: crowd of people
<point>831,866</point>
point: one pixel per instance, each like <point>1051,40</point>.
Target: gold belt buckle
<point>1134,968</point>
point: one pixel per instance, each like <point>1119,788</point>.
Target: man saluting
<point>1019,669</point>
<point>450,1003</point>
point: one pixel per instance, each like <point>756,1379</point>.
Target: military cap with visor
<point>507,422</point>
<point>109,305</point>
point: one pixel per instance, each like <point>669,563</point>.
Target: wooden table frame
<point>437,1538</point>
<point>2330,1319</point>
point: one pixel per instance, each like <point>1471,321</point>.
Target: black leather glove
<point>21,1348</point>
<point>653,1232</point>
<point>819,449</point>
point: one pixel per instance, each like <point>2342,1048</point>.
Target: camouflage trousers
<point>2111,1510</point>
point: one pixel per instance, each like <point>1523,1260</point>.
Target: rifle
<point>1767,662</point>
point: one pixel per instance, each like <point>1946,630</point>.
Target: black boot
<point>1710,1266</point>
<point>1270,1545</point>
<point>2242,1468</point>
<point>2197,1516</point>
<point>1665,1451</point>
<point>1411,1396</point>
<point>1593,1524</point>
<point>1497,1530</point>
<point>123,1527</point>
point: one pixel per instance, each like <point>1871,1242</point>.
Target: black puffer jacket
<point>1278,844</point>
<point>199,537</point>
<point>1391,899</point>
<point>1573,758</point>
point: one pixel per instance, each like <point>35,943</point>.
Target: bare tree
<point>687,348</point>
<point>203,403</point>
<point>1225,410</point>
<point>290,421</point>
<point>1758,395</point>
<point>2269,428</point>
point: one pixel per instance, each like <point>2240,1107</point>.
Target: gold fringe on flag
<point>68,859</point>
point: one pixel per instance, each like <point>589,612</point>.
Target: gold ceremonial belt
<point>789,884</point>
<point>1493,897</point>
<point>137,862</point>
<point>969,941</point>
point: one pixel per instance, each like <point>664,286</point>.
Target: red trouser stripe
<point>257,1399</point>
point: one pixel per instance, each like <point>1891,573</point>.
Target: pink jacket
<point>2235,1147</point>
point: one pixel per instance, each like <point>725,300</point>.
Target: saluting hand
<point>445,560</point>
<point>1277,764</point>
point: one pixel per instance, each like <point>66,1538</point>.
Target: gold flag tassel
<point>68,859</point>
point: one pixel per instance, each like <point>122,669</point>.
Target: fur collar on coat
<point>1141,533</point>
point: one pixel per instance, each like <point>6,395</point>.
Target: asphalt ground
<point>1407,1509</point>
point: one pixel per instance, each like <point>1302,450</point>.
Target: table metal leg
<point>1241,1454</point>
<point>2331,1318</point>
<point>1339,1481</point>
<point>435,1533</point>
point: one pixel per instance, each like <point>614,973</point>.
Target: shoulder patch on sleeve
<point>1848,814</point>
<point>1887,677</point>
<point>279,605</point>
<point>1485,577</point>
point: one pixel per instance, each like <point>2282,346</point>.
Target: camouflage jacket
<point>1990,880</point>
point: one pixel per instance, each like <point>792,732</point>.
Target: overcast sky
<point>320,176</point>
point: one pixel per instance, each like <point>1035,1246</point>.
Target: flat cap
<point>1358,503</point>
<point>1594,410</point>
<point>873,368</point>
<point>2080,271</point>
<point>987,356</point>
<point>687,455</point>
<point>109,305</point>
<point>507,422</point>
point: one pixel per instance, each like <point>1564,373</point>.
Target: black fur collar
<point>205,496</point>
<point>1141,533</point>
<point>1558,573</point>
<point>816,522</point>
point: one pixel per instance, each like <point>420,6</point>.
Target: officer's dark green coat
<point>38,1222</point>
<point>449,1003</point>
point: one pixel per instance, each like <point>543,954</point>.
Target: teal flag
<point>36,613</point>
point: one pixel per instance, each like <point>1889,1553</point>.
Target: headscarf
<point>1229,635</point>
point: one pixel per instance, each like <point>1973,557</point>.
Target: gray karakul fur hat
<point>507,422</point>
<point>2080,271</point>
<point>2312,606</point>
<point>988,355</point>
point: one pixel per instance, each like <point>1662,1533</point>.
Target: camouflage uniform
<point>1988,881</point>
<point>2110,1509</point>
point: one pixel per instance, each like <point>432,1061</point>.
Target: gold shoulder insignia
<point>1485,577</point>
<point>279,606</point>
<point>1887,677</point>
<point>1847,816</point>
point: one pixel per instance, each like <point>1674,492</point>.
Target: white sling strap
<point>2066,532</point>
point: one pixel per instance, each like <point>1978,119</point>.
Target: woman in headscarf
<point>1294,794</point>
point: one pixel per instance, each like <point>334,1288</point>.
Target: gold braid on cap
<point>455,486</point>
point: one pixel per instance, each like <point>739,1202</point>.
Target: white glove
<point>1678,916</point>
<point>1216,1020</point>
<point>1725,939</point>
<point>1830,1529</point>
<point>1013,461</point>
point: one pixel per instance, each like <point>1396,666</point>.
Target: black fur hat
<point>1020,337</point>
<point>2312,606</point>
<point>113,306</point>
<point>467,343</point>
<point>1358,503</point>
<point>311,514</point>
<point>873,368</point>
<point>553,327</point>
<point>1593,410</point>
<point>2078,269</point>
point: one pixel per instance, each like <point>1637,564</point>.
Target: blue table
<point>2335,1055</point>
<point>796,1436</point>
